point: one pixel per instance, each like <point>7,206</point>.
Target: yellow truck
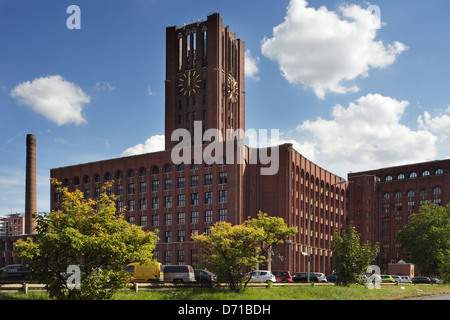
<point>145,273</point>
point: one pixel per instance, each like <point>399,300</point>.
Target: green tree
<point>89,234</point>
<point>426,239</point>
<point>229,250</point>
<point>275,231</point>
<point>351,258</point>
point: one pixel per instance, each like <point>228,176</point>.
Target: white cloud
<point>439,125</point>
<point>251,65</point>
<point>53,97</point>
<point>152,144</point>
<point>367,134</point>
<point>323,49</point>
<point>104,86</point>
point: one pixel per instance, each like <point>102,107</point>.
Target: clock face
<point>232,89</point>
<point>189,82</point>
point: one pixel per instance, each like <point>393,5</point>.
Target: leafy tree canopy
<point>230,250</point>
<point>351,257</point>
<point>426,238</point>
<point>89,234</point>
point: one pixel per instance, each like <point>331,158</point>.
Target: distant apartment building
<point>12,225</point>
<point>381,201</point>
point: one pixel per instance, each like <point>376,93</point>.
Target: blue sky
<point>350,95</point>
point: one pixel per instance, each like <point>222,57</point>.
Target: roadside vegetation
<point>306,292</point>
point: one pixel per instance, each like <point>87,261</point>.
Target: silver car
<point>321,276</point>
<point>261,276</point>
<point>179,273</point>
<point>405,279</point>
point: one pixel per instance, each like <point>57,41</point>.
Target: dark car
<point>302,276</point>
<point>435,280</point>
<point>282,275</point>
<point>332,277</point>
<point>425,280</point>
<point>15,273</point>
<point>204,276</point>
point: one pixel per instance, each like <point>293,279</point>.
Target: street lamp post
<point>308,253</point>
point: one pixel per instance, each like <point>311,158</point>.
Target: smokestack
<point>30,185</point>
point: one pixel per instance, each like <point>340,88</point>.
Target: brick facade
<point>210,85</point>
<point>381,201</point>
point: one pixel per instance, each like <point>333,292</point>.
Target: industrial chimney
<point>30,185</point>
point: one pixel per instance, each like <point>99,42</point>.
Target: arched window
<point>389,178</point>
<point>168,168</point>
<point>425,173</point>
<point>437,190</point>
<point>180,167</point>
<point>155,170</point>
<point>108,176</point>
<point>66,183</point>
<point>439,171</point>
<point>142,172</point>
<point>97,178</point>
<point>130,173</point>
<point>413,175</point>
<point>401,176</point>
<point>386,196</point>
<point>411,193</point>
<point>86,179</point>
<point>76,181</point>
<point>398,195</point>
<point>119,175</point>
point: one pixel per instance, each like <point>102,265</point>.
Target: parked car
<point>425,280</point>
<point>396,278</point>
<point>302,276</point>
<point>144,273</point>
<point>435,280</point>
<point>204,276</point>
<point>406,279</point>
<point>178,273</point>
<point>15,273</point>
<point>261,276</point>
<point>387,278</point>
<point>332,277</point>
<point>321,277</point>
<point>282,275</point>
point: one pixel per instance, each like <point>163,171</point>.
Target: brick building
<point>205,90</point>
<point>381,201</point>
<point>12,225</point>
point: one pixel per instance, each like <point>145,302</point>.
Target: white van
<point>177,273</point>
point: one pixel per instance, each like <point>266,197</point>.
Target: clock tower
<point>204,78</point>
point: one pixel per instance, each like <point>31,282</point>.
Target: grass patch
<point>330,292</point>
<point>327,292</point>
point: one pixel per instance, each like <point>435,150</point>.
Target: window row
<point>410,205</point>
<point>179,258</point>
<point>181,201</point>
<point>180,218</point>
<point>414,174</point>
<point>411,193</point>
<point>168,168</point>
<point>167,185</point>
